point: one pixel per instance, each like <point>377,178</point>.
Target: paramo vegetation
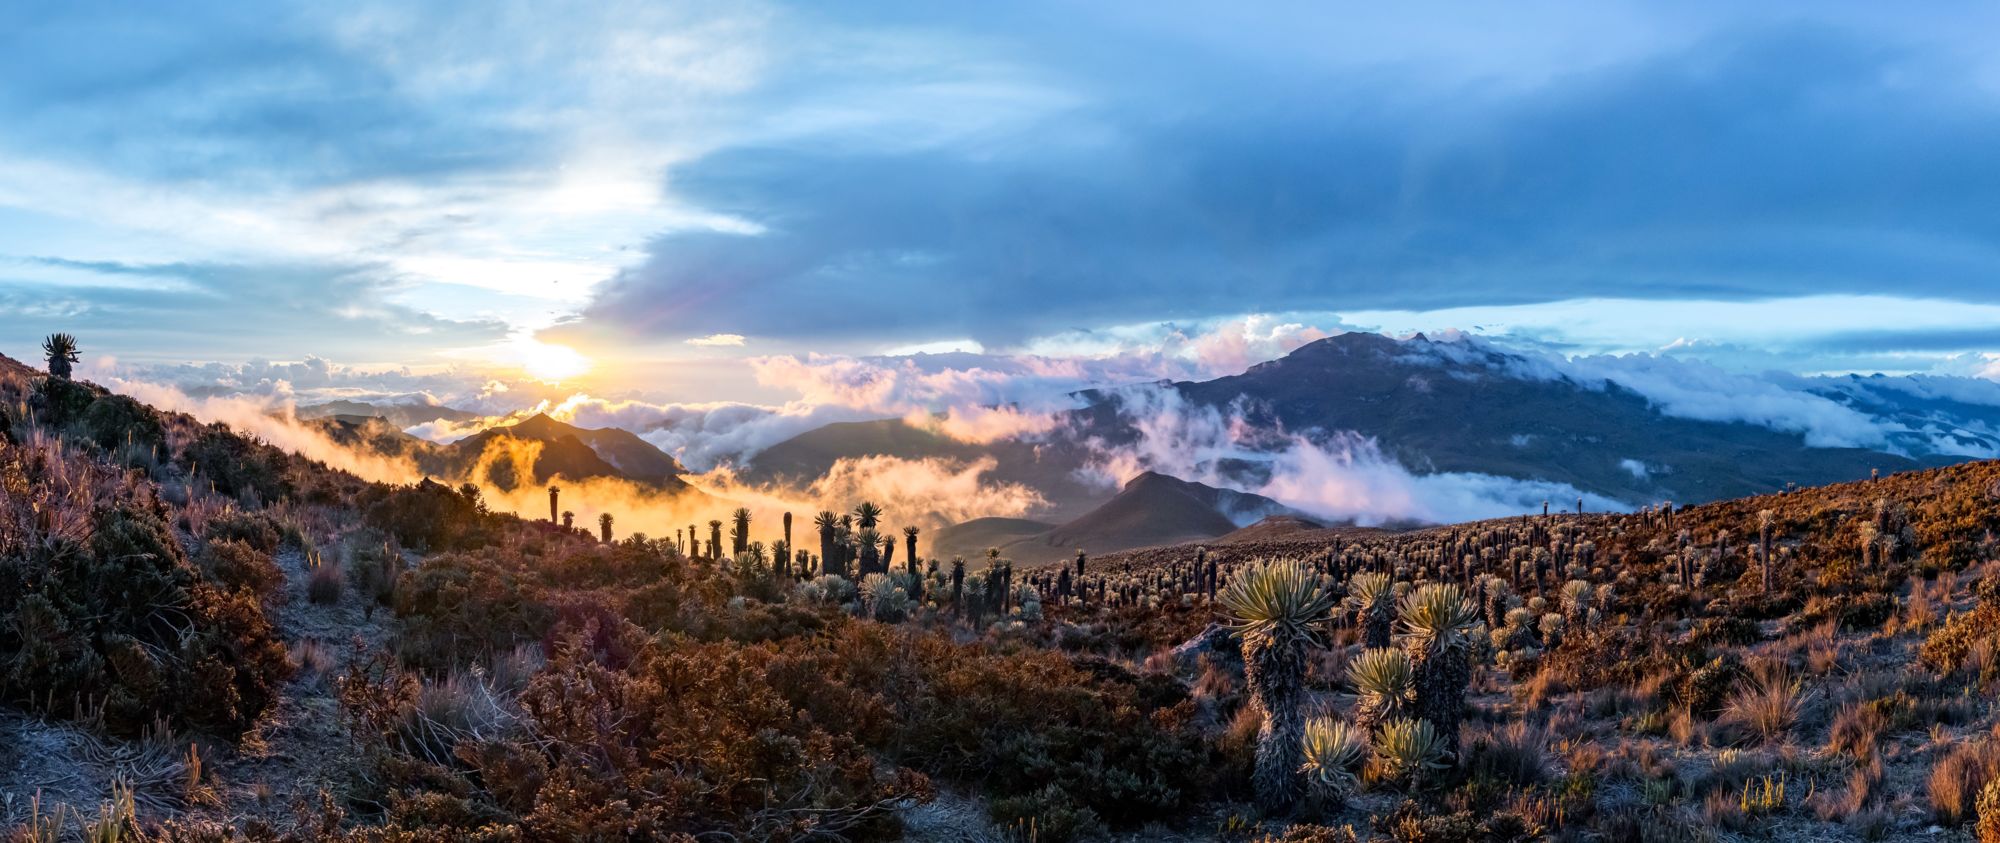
<point>266,648</point>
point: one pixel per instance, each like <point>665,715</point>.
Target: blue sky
<point>672,189</point>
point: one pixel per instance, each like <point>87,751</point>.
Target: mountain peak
<point>1154,478</point>
<point>540,426</point>
<point>1349,343</point>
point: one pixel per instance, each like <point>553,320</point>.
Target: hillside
<point>970,539</point>
<point>333,661</point>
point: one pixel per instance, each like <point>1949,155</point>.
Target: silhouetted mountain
<point>633,457</point>
<point>377,435</point>
<point>564,451</point>
<point>402,415</point>
<point>1152,509</point>
<point>1156,509</point>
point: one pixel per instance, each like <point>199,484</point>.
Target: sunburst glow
<point>550,362</point>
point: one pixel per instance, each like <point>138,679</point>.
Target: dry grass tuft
<point>1957,778</point>
<point>323,584</point>
<point>1769,703</point>
<point>1857,730</point>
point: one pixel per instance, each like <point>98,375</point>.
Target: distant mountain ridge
<point>1152,509</point>
<point>1433,406</point>
<point>402,415</point>
<point>562,451</point>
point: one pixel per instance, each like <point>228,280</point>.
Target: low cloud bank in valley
<point>981,397</point>
<point>1339,476</point>
<point>926,493</point>
<point>1898,414</point>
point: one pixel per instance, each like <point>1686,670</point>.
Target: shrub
<point>238,467</point>
<point>62,401</point>
<point>1989,812</point>
<point>741,760</point>
<point>1730,630</point>
<point>1704,690</point>
<point>1946,647</point>
<point>255,529</point>
<point>114,421</point>
<point>234,564</point>
<point>1047,814</point>
<point>428,515</point>
<point>127,621</point>
<point>323,585</point>
<point>458,607</point>
<point>1865,611</point>
<point>1014,722</point>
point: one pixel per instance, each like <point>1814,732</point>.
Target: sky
<point>680,194</point>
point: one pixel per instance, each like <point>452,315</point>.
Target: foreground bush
<point>114,619</point>
<point>689,738</point>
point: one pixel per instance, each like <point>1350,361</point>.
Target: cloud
<point>317,380</point>
<point>238,310</point>
<point>1680,168</point>
<point>263,419</point>
<point>1336,475</point>
<point>1909,415</point>
<point>717,340</point>
<point>1690,389</point>
<point>732,171</point>
<point>378,135</point>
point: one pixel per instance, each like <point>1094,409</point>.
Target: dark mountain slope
<point>970,539</point>
<point>1458,407</point>
<point>400,415</point>
<point>1432,406</point>
<point>1152,509</point>
<point>565,451</point>
<point>633,457</point>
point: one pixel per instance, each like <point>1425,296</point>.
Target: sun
<point>550,362</point>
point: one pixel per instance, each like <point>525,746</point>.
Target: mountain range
<point>1451,406</point>
<point>1437,407</point>
<point>401,414</point>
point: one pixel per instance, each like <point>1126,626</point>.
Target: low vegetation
<point>1817,662</point>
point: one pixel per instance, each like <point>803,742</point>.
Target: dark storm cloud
<point>1783,161</point>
